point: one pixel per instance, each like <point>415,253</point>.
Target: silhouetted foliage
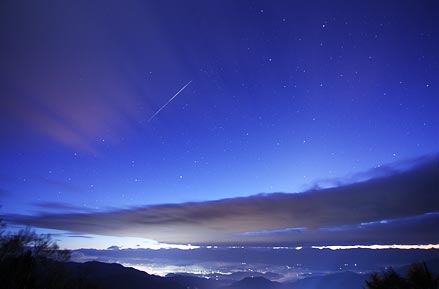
<point>28,242</point>
<point>31,260</point>
<point>418,277</point>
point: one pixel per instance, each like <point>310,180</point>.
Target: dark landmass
<point>115,276</point>
<point>312,259</point>
<point>99,275</point>
<point>27,271</point>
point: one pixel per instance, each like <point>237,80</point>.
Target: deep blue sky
<point>283,94</point>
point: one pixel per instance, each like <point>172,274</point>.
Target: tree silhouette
<point>418,277</point>
<point>26,241</point>
<point>31,260</point>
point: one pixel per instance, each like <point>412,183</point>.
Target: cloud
<point>91,93</point>
<point>80,236</point>
<point>378,171</point>
<point>355,212</point>
<point>81,117</point>
<point>63,207</point>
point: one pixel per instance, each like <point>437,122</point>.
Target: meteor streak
<point>161,108</point>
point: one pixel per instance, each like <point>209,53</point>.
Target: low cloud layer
<point>398,208</point>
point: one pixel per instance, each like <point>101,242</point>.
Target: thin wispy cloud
<point>62,207</point>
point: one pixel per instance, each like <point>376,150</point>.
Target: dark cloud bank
<point>398,208</point>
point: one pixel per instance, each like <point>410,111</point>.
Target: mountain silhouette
<point>254,283</point>
<point>116,276</point>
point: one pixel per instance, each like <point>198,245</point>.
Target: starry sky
<point>281,97</point>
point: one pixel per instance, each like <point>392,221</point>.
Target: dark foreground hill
<point>48,274</point>
<point>116,276</point>
<point>37,273</point>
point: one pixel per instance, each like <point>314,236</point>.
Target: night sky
<point>335,100</point>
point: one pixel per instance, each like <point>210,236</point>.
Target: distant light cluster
<point>380,247</point>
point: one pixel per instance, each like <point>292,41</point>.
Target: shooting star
<point>161,108</point>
